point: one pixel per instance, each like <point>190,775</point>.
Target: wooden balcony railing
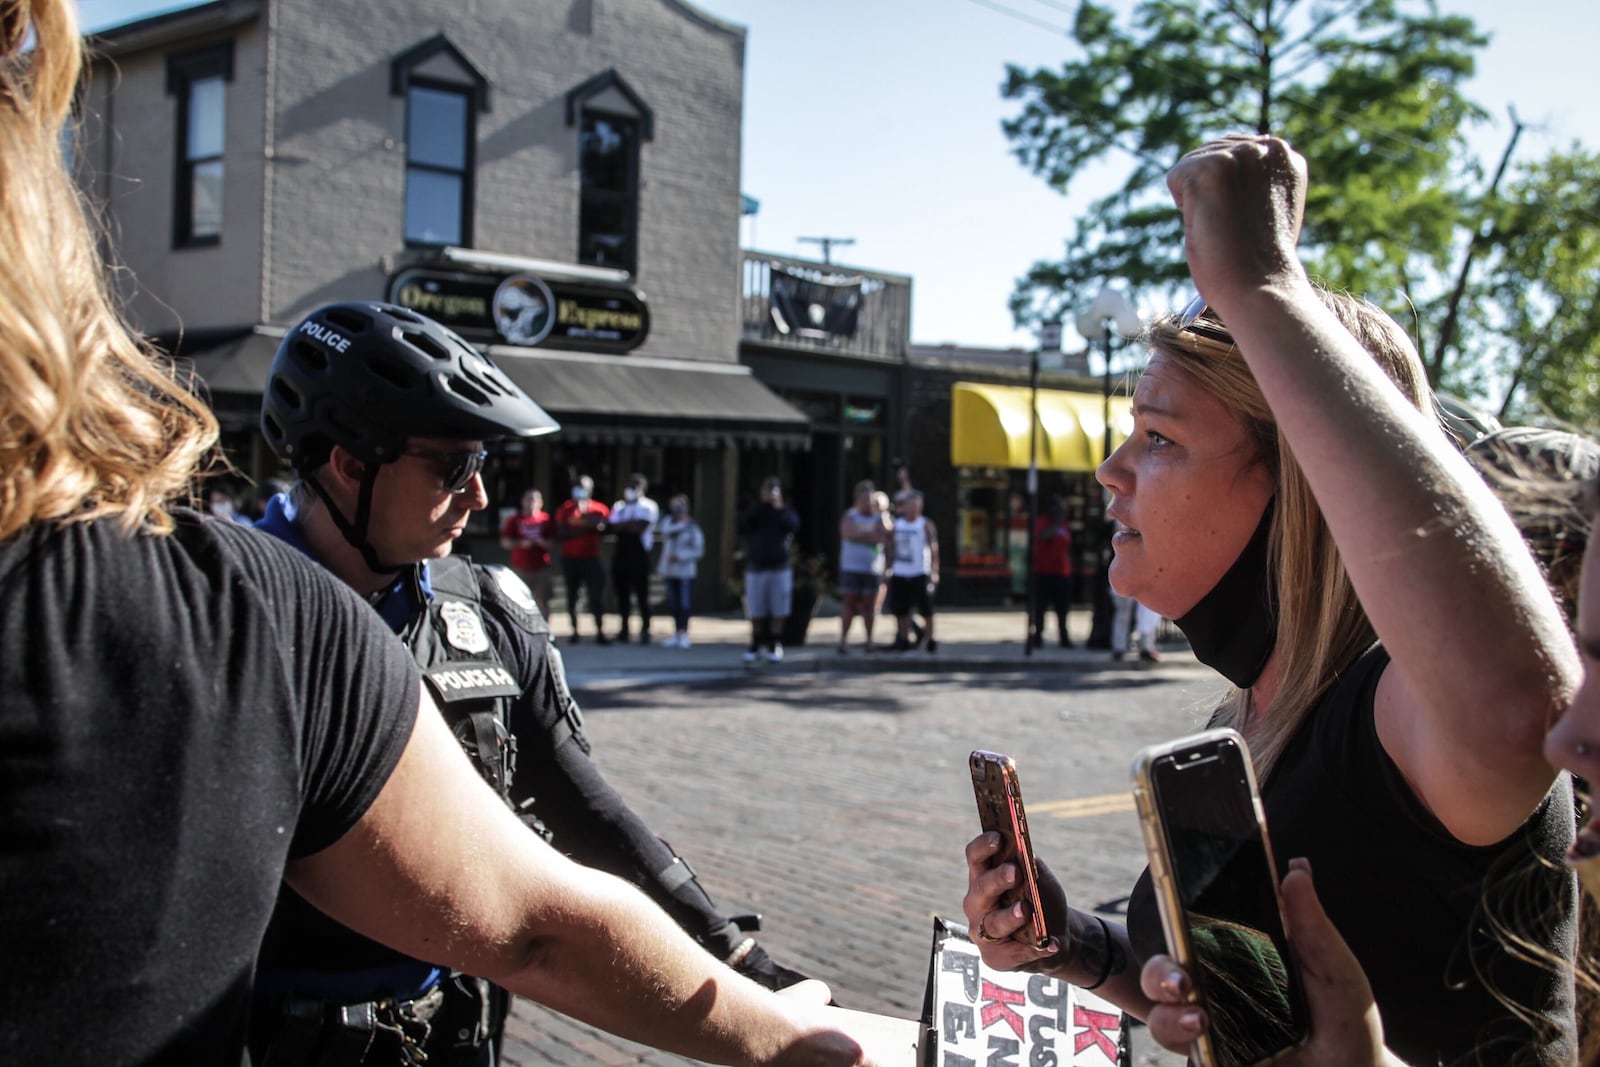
<point>803,304</point>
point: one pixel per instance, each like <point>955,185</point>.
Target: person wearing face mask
<point>1291,500</point>
<point>683,543</point>
<point>578,524</point>
<point>633,520</point>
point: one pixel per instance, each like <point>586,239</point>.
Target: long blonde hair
<point>92,424</point>
<point>1322,627</point>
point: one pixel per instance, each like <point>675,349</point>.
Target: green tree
<point>1369,90</point>
<point>1534,342</point>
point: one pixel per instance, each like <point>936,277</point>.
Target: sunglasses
<point>457,469</point>
<point>1198,318</point>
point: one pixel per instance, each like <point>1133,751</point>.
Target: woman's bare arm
<point>440,868</point>
<point>1482,659</point>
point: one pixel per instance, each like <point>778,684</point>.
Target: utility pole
<point>827,244</point>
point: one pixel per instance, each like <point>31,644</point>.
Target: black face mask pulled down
<point>1235,626</point>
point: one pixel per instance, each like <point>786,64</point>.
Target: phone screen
<point>1227,887</point>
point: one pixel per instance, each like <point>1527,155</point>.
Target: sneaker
<point>1066,642</point>
<point>765,971</point>
<point>644,638</point>
<point>932,646</point>
<point>751,655</point>
<point>683,640</point>
<point>1150,655</point>
<point>901,646</point>
<point>574,638</point>
<point>601,639</point>
<point>624,637</point>
<point>1116,657</point>
<point>775,654</point>
<point>670,641</point>
<point>842,650</point>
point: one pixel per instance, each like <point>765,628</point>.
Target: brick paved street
<point>837,802</point>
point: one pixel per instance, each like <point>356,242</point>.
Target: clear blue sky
<point>879,121</point>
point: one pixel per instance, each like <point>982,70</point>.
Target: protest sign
<point>972,1015</point>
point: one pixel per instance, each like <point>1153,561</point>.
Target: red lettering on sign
<point>1095,1024</point>
<point>996,1005</point>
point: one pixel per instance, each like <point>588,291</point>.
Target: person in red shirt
<point>1052,571</point>
<point>578,524</point>
<point>525,535</point>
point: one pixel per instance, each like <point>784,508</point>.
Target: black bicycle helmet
<point>366,376</point>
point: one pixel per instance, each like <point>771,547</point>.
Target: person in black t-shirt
<point>193,715</point>
<point>484,648</point>
<point>768,527</point>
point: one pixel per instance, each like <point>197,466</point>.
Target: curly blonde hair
<point>93,423</point>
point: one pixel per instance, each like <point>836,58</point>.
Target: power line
<point>1021,17</point>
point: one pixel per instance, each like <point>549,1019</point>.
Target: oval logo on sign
<point>524,310</point>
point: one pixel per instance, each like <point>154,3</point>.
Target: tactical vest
<point>463,670</point>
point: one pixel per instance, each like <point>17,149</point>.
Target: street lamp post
<point>1049,341</point>
<point>1112,312</point>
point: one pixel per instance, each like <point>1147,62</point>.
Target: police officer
<point>383,414</point>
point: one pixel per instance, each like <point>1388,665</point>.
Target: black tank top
<point>1424,913</point>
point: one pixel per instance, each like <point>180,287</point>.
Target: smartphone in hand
<point>1216,885</point>
<point>994,783</point>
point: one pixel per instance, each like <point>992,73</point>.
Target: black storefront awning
<point>650,401</point>
<point>604,399</point>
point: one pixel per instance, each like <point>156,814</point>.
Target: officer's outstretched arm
<point>440,868</point>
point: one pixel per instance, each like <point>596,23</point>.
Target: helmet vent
<point>392,371</point>
<point>347,319</point>
<point>406,315</point>
<point>311,359</point>
<point>287,395</point>
<point>466,390</point>
<point>429,345</point>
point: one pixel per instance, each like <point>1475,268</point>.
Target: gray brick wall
<point>331,207</point>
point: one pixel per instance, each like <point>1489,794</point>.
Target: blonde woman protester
<point>1395,653</point>
<point>194,713</point>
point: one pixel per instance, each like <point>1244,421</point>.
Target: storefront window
<point>984,523</point>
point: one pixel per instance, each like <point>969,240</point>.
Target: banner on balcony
<point>813,305</point>
<point>972,1015</point>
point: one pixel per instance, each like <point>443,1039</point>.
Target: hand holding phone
<point>1216,886</point>
<point>999,796</point>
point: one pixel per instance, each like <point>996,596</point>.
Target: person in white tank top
<point>914,572</point>
<point>864,530</point>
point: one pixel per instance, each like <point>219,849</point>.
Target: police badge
<point>463,629</point>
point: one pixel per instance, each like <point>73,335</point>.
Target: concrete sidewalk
<point>970,640</point>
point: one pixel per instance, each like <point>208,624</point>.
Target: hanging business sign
<point>524,309</point>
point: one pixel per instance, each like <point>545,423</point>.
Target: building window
<point>439,144</point>
<point>198,81</point>
<point>444,93</point>
<point>608,211</point>
<point>612,123</point>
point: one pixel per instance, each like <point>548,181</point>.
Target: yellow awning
<point>989,427</point>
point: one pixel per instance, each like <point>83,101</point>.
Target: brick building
<point>557,179</point>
